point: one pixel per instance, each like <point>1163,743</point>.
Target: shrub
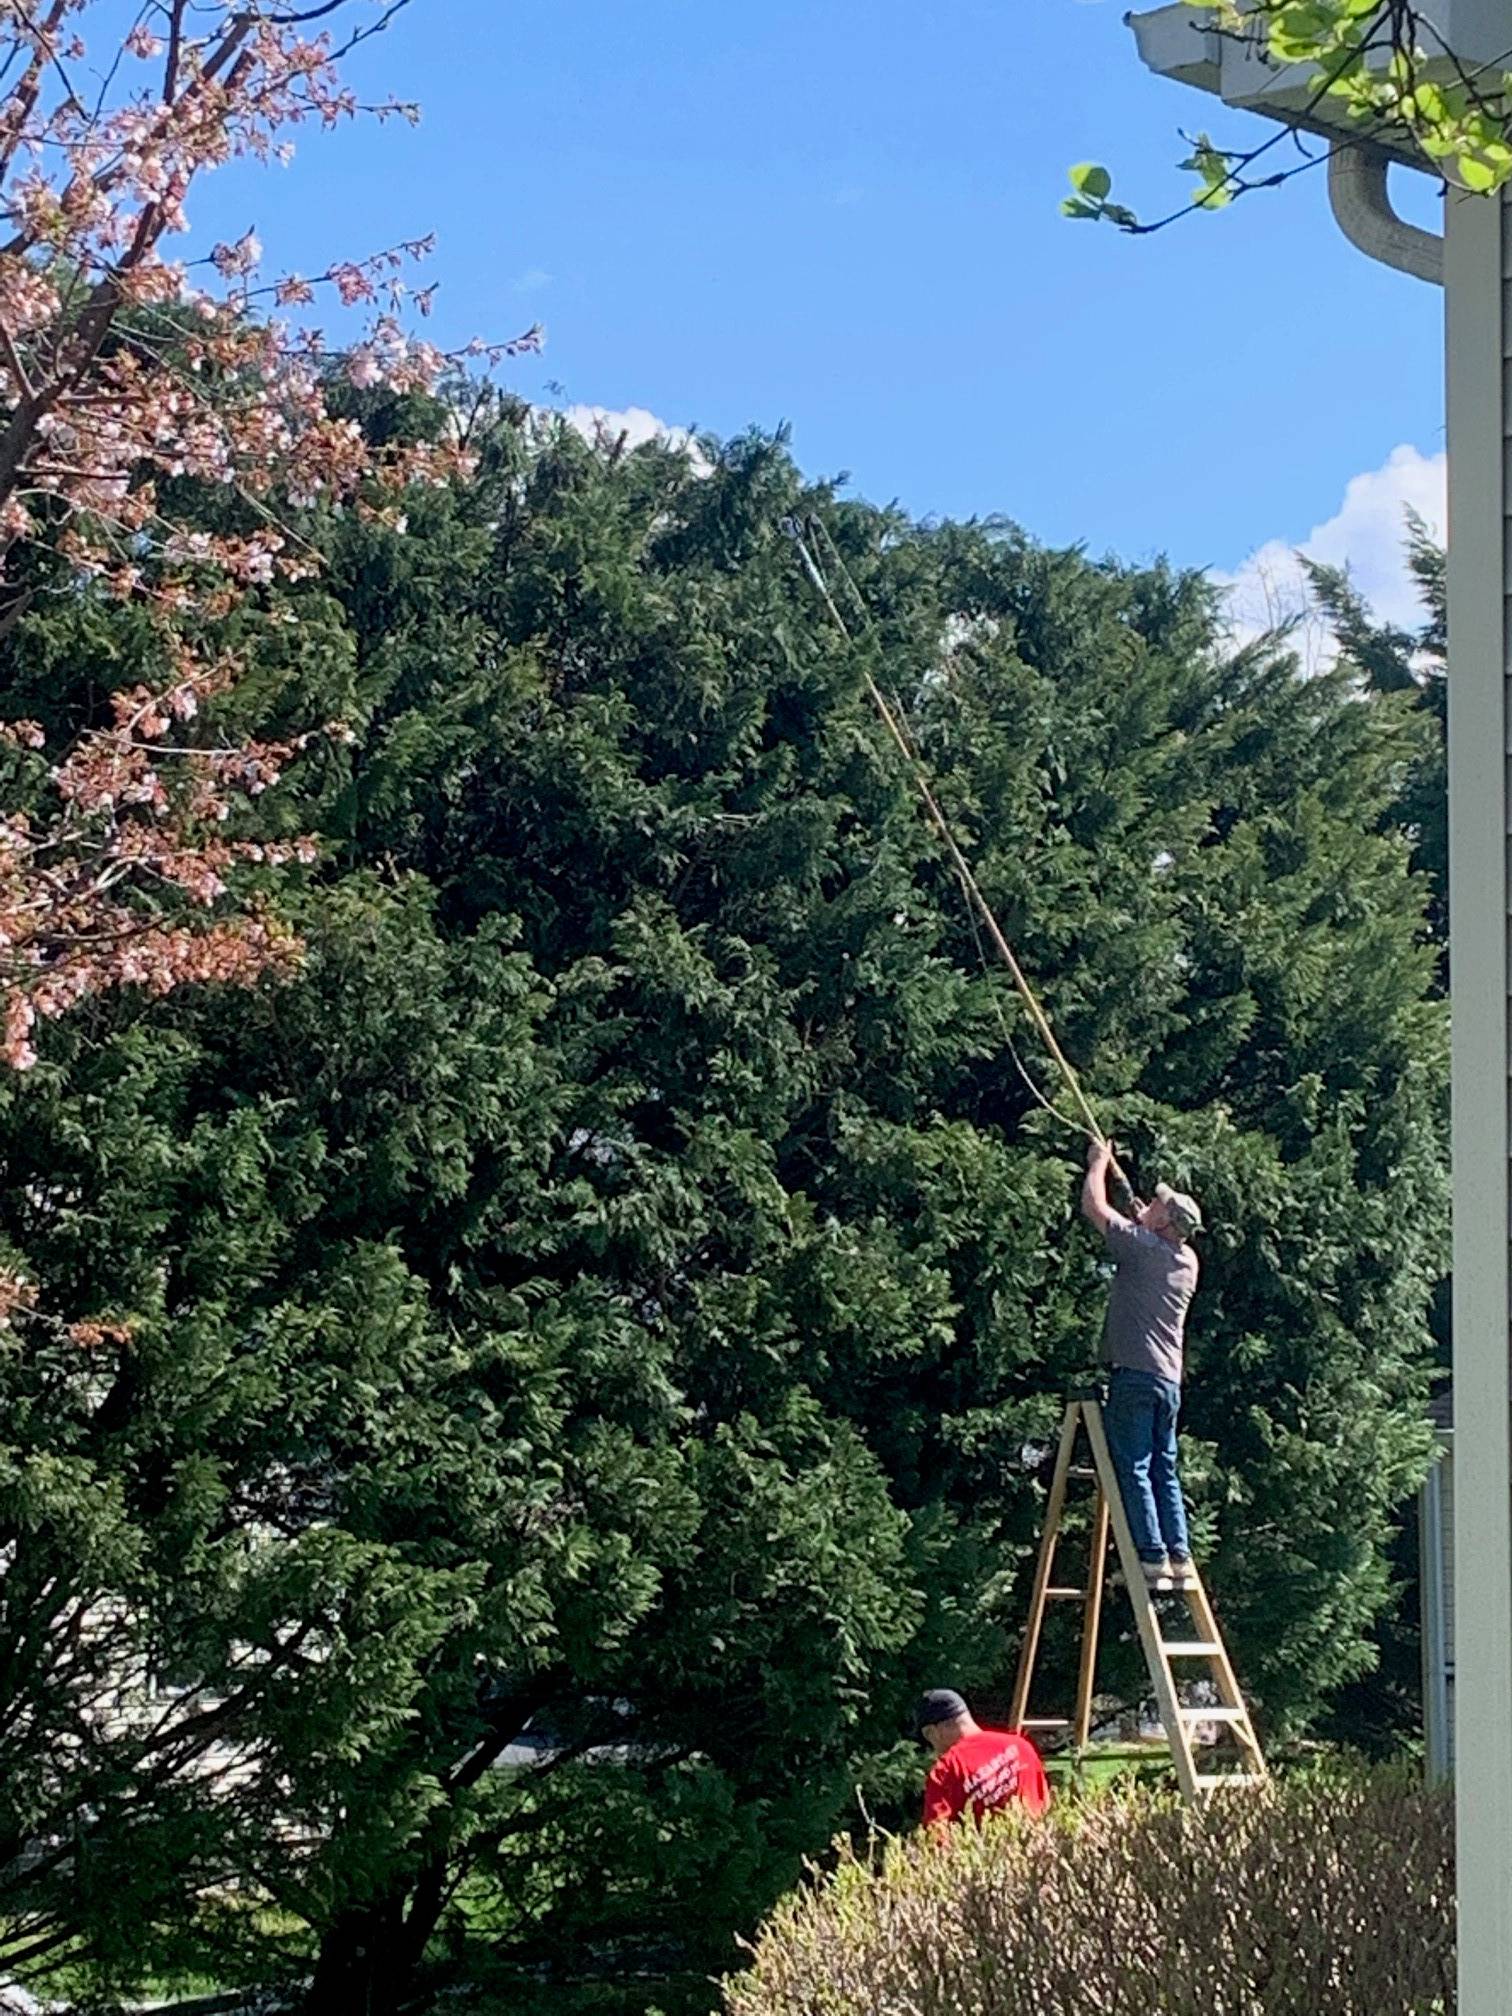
<point>1315,1897</point>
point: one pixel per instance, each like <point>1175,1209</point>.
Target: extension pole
<point>962,866</point>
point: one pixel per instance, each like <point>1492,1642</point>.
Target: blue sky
<point>844,216</point>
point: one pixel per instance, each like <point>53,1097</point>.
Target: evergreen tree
<point>583,1344</point>
<point>1390,659</point>
<point>1384,1708</point>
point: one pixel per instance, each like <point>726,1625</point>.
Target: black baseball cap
<point>940,1704</point>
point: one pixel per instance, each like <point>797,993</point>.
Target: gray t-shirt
<point>1152,1291</point>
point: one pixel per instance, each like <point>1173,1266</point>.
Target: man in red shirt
<point>976,1770</point>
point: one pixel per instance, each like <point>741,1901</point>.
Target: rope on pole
<point>941,823</point>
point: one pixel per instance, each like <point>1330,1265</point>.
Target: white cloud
<point>605,425</point>
<point>533,280</point>
<point>1367,535</point>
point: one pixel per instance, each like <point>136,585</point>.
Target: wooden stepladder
<point>1199,1656</point>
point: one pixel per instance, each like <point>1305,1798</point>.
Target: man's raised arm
<point>1094,1198</point>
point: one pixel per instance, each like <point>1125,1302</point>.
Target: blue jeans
<point>1140,1418</point>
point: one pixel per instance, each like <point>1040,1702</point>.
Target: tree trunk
<point>350,1968</point>
<point>370,1955</point>
<point>369,1960</point>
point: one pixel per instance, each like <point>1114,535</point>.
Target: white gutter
<point>1363,211</point>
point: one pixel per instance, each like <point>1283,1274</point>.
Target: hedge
<point>1313,1897</point>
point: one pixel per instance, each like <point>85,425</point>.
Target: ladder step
<point>1045,1722</point>
<point>1215,1715</point>
<point>1206,1780</point>
<point>1191,1648</point>
<point>1082,1471</point>
<point>1064,1595</point>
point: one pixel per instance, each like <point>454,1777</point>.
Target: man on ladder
<point>1156,1279</point>
<point>1153,1287</point>
<point>1132,1436</point>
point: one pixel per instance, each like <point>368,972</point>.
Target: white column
<point>1478,265</point>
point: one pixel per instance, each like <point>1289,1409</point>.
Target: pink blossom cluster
<point>96,941</point>
<point>122,374</point>
<point>17,1295</point>
<point>139,815</point>
<point>93,1334</point>
<point>19,1303</point>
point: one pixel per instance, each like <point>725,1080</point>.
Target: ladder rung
<point>1045,1722</point>
<point>1215,1715</point>
<point>1191,1648</point>
<point>1206,1780</point>
<point>1082,1471</point>
<point>1064,1595</point>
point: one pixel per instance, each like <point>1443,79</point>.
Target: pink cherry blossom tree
<point>123,371</point>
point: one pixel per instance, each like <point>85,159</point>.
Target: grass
<point>65,1981</point>
<point>1107,1764</point>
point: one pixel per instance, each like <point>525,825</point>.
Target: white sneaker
<point>1184,1573</point>
<point>1157,1575</point>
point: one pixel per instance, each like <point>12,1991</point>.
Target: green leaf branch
<point>1381,62</point>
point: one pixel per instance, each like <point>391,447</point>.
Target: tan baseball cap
<point>1182,1208</point>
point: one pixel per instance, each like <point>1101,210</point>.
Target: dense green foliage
<point>1383,1708</point>
<point>1389,659</point>
<point>620,1291</point>
<point>1316,1895</point>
